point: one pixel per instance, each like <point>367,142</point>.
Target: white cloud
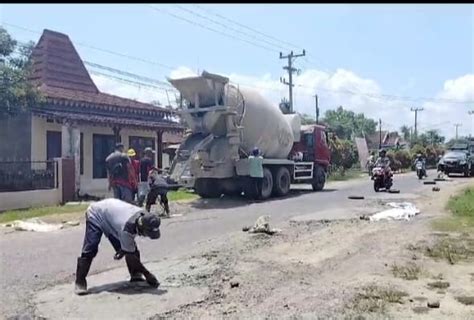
<point>460,89</point>
<point>335,89</point>
<point>182,72</point>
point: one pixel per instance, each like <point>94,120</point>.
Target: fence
<point>28,175</point>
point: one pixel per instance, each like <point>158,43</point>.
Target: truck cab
<point>314,145</point>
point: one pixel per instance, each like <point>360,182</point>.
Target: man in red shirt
<point>136,169</point>
<point>121,174</point>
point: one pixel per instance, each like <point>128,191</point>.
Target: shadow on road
<point>227,202</point>
<point>126,287</point>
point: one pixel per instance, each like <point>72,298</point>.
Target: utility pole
<point>317,108</point>
<point>416,110</point>
<point>471,113</point>
<point>380,134</point>
<point>457,125</point>
<point>290,70</point>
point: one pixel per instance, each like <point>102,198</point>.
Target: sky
<point>376,59</point>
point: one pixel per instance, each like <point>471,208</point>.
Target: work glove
<point>151,280</point>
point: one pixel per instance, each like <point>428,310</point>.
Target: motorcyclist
<point>420,158</point>
<point>384,162</point>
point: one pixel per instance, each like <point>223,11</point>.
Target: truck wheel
<point>319,179</point>
<point>207,188</point>
<point>266,186</point>
<point>281,182</point>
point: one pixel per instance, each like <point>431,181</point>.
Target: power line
<point>210,29</point>
<point>288,44</point>
<point>128,74</point>
<point>227,27</point>
<point>131,82</point>
<point>381,97</point>
<point>85,45</point>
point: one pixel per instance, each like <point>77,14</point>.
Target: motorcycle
<point>420,171</point>
<point>381,180</point>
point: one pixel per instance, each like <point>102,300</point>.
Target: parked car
<point>457,161</point>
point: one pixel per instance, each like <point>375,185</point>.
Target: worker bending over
<point>120,222</point>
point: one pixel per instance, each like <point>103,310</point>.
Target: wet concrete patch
<point>112,296</point>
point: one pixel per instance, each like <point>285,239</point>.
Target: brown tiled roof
<point>107,120</point>
<point>99,98</point>
<point>56,63</point>
<point>373,140</point>
<point>59,72</point>
<point>392,139</point>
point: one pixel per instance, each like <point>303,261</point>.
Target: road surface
<point>31,261</point>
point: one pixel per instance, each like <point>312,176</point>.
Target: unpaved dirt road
<point>324,257</point>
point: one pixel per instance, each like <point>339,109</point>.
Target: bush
<point>399,159</point>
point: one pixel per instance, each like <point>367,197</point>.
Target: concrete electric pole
<point>317,108</point>
<point>380,134</point>
<point>471,113</point>
<point>416,110</point>
<point>457,125</point>
<point>290,70</point>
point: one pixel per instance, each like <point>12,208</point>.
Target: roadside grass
<point>466,300</point>
<point>410,271</point>
<point>438,285</point>
<point>348,175</point>
<point>375,299</point>
<point>22,214</point>
<point>459,244</point>
<point>462,208</point>
<point>452,249</point>
<point>182,195</point>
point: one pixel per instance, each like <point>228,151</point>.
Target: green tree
<point>406,132</point>
<point>306,119</point>
<point>430,138</point>
<point>347,124</point>
<point>343,155</point>
<point>17,94</point>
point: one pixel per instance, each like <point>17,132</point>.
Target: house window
<point>140,143</point>
<point>102,146</point>
<point>53,146</point>
<point>81,155</point>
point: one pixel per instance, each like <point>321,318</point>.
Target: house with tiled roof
<point>76,120</point>
<point>389,140</point>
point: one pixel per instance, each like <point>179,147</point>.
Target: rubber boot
<point>83,266</point>
<point>135,276</point>
<point>166,207</point>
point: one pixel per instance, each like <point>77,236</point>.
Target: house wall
<point>15,138</point>
<point>34,198</point>
<point>97,187</point>
<point>39,126</point>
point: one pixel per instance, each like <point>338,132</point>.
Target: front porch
<point>90,141</point>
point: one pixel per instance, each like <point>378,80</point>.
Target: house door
<point>53,144</point>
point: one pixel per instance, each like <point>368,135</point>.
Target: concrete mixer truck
<point>225,124</point>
